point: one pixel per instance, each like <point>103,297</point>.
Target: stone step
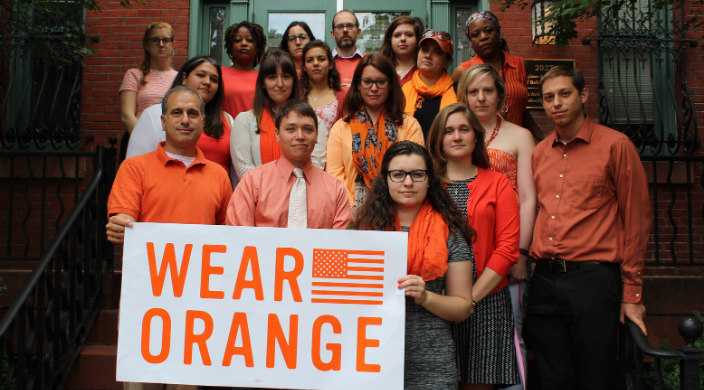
<point>94,369</point>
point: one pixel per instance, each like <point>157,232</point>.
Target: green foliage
<point>564,15</point>
<point>671,368</point>
<point>49,29</point>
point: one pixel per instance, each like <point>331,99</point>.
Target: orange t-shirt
<point>153,187</point>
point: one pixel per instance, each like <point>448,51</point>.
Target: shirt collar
<point>164,158</point>
<point>357,52</point>
<point>585,132</point>
<point>285,169</point>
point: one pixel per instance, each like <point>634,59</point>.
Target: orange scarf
<point>269,148</point>
<point>416,89</point>
<point>370,141</point>
<point>427,243</point>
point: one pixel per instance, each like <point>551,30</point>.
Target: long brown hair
<point>394,102</point>
<point>436,135</point>
<point>273,58</point>
<point>145,65</point>
<point>386,49</point>
<point>377,211</point>
<point>333,74</point>
<point>213,125</point>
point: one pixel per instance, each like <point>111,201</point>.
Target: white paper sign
<point>262,307</point>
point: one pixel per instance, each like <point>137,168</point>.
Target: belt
<point>559,266</point>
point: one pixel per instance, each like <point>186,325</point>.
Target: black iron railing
<point>44,329</point>
<point>635,347</point>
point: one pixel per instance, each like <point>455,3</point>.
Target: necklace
<point>495,132</point>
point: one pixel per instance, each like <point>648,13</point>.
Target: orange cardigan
<point>493,212</point>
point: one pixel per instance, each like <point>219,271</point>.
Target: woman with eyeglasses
<point>245,43</point>
<point>253,141</point>
<point>486,354</point>
<point>401,45</point>
<point>296,36</point>
<point>320,83</point>
<point>374,120</point>
<point>408,196</point>
<point>484,34</point>
<point>147,84</point>
<point>431,87</point>
<point>202,74</point>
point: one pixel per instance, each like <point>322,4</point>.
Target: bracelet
<point>524,251</point>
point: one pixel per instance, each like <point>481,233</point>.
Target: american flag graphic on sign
<point>348,276</point>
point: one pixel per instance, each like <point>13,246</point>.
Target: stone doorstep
<point>94,369</point>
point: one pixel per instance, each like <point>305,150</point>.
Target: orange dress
<point>504,162</point>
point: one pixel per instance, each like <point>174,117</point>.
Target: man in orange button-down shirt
<point>589,241</point>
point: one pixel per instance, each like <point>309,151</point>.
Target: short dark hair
<point>284,40</point>
<point>297,106</point>
<point>418,28</point>
<point>257,33</point>
<point>394,102</point>
<point>356,22</point>
<point>179,89</point>
<point>213,125</point>
<point>558,71</point>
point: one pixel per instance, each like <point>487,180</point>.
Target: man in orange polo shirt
<point>345,31</point>
<point>589,241</point>
<point>175,183</point>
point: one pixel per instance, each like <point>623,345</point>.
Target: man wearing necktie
<point>277,194</point>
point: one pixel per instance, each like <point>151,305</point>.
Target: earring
<point>504,109</point>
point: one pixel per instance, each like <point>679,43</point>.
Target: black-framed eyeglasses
<point>156,41</point>
<point>442,35</point>
<point>348,26</point>
<point>302,37</point>
<point>380,83</point>
<point>399,175</point>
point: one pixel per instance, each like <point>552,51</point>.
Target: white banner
<point>262,307</point>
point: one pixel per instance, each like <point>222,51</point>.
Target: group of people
<point>335,139</point>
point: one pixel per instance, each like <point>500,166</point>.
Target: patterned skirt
<point>484,342</point>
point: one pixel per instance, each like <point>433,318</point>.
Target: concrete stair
<point>94,368</point>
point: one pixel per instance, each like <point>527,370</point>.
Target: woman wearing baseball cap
<point>431,88</point>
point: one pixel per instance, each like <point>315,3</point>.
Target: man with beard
<point>345,30</point>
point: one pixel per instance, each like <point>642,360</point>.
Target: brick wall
<point>120,31</point>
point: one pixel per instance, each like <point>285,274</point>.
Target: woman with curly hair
<point>147,84</point>
<point>408,196</point>
<point>296,36</point>
<point>320,83</point>
<point>401,45</point>
<point>374,120</point>
<point>245,43</point>
<point>486,354</point>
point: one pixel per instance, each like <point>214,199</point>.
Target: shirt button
<point>637,295</point>
<point>553,217</point>
<point>557,196</point>
<point>564,155</point>
<point>550,238</point>
<point>561,176</point>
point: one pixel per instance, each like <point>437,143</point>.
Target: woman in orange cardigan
<point>485,341</point>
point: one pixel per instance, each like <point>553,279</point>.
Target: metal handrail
<point>44,329</point>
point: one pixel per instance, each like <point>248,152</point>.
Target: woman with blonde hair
<point>147,84</point>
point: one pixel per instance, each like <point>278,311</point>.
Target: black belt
<point>559,266</point>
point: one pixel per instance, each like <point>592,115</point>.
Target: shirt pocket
<point>588,193</point>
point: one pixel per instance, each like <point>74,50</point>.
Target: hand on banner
<point>115,229</point>
<point>415,288</point>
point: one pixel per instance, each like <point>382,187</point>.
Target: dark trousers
<point>572,325</point>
